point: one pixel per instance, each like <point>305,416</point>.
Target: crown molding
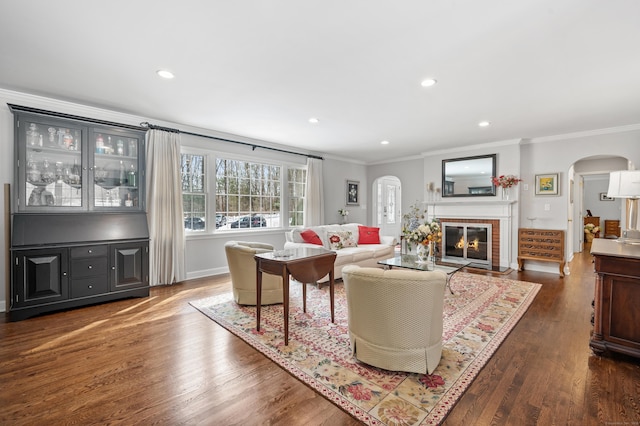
<point>586,133</point>
<point>472,147</point>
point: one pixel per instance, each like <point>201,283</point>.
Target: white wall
<point>335,174</point>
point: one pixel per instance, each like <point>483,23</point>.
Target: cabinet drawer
<point>89,286</point>
<point>88,267</point>
<point>89,251</point>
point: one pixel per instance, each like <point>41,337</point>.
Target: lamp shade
<point>624,184</point>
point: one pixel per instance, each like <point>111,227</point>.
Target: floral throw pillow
<point>340,240</point>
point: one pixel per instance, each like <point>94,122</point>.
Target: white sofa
<point>365,255</point>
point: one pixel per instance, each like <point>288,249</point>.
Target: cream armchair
<point>395,317</point>
<point>242,268</point>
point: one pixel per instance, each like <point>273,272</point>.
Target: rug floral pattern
<point>477,318</point>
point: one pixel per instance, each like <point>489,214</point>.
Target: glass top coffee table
<point>409,261</point>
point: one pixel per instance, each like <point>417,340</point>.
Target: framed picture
<point>353,195</point>
<point>547,184</point>
<point>603,197</point>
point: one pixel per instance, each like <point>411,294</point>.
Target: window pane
<point>194,198</point>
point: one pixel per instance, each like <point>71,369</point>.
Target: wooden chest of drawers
<point>545,245</point>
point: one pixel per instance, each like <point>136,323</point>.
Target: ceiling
<point>262,68</point>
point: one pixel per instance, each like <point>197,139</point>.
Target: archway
<point>589,178</point>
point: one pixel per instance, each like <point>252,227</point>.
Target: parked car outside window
<point>249,222</point>
<point>194,223</point>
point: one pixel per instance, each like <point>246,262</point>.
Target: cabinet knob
<point>90,286</point>
<point>64,274</point>
<point>89,251</point>
<point>90,267</point>
<point>113,267</point>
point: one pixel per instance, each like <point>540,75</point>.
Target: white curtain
<point>314,209</point>
<point>164,208</point>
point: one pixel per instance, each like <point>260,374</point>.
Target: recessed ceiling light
<point>314,120</point>
<point>428,82</point>
<point>385,142</point>
<point>165,74</point>
<point>484,123</point>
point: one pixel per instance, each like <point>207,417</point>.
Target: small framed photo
<point>353,193</point>
<point>547,184</point>
<point>603,197</point>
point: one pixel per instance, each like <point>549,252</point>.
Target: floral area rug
<point>477,318</point>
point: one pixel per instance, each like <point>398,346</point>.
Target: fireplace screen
<point>467,241</point>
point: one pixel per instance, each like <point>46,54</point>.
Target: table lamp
<point>626,184</point>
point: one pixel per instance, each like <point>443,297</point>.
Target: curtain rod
<point>253,146</point>
<point>21,108</point>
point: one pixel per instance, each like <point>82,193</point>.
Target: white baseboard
<point>207,272</point>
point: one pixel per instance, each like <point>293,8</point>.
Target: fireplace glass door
<point>470,242</point>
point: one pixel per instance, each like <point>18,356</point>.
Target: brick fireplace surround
<point>497,213</point>
<point>495,235</point>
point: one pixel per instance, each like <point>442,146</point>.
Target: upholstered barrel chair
<point>395,317</point>
<point>242,268</point>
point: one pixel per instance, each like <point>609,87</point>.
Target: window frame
<point>211,158</point>
<point>206,185</point>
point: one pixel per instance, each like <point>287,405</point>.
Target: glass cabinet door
<point>51,164</point>
<point>116,169</point>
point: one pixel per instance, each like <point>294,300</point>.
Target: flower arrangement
<point>505,181</point>
<point>343,212</point>
<point>417,230</point>
<point>590,228</point>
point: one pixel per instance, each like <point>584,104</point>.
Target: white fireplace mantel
<point>497,210</point>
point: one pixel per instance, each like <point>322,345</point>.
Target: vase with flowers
<point>590,232</point>
<point>344,213</point>
<point>506,182</point>
<point>424,234</point>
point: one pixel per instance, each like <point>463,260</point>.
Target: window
<point>297,179</point>
<point>247,194</point>
<point>194,196</point>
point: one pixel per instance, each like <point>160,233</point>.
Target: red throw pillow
<point>368,235</point>
<point>309,236</point>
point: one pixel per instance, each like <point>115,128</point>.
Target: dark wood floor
<point>159,361</point>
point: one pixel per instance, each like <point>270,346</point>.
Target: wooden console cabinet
<point>545,245</point>
<point>616,325</point>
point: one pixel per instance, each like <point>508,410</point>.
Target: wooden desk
<point>616,322</point>
<point>306,265</point>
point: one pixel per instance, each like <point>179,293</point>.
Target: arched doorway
<point>387,214</point>
<point>590,180</point>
